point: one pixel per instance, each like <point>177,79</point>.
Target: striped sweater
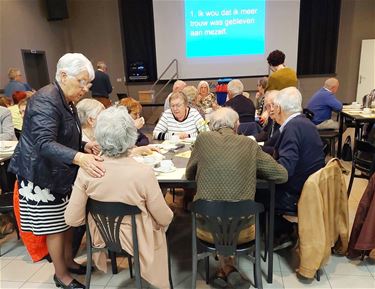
<point>168,125</point>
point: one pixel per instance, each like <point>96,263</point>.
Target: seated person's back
<point>128,182</point>
<point>240,103</point>
<point>324,101</point>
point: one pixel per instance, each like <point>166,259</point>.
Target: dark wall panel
<point>318,36</point>
<point>56,10</point>
<point>137,25</point>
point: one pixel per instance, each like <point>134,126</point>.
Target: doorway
<point>36,70</point>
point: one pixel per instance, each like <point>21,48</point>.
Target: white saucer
<point>165,170</point>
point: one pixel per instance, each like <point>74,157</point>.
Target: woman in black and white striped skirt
<point>47,158</point>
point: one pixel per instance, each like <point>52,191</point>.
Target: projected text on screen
<point>224,28</point>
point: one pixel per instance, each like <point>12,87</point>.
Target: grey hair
<point>289,100</point>
<point>73,64</point>
<point>88,108</point>
<point>235,87</point>
<point>191,93</point>
<point>115,131</point>
<point>178,85</point>
<point>222,117</point>
<point>203,83</point>
<point>270,95</point>
<point>179,95</point>
<point>101,64</point>
<point>331,83</point>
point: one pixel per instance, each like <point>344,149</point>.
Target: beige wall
<point>23,25</point>
<point>93,28</point>
<point>357,22</point>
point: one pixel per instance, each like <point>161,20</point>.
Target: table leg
<point>341,131</point>
<point>271,220</point>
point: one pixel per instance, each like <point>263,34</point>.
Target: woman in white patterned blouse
<point>180,120</point>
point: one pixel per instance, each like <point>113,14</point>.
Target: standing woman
<point>47,158</point>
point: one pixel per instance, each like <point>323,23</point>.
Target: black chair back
<point>108,217</point>
<point>249,128</point>
<point>225,220</point>
<point>308,113</point>
<point>363,160</point>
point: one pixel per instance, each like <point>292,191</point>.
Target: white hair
<point>73,64</point>
<point>178,85</point>
<point>87,108</point>
<point>270,95</point>
<point>115,131</point>
<point>235,87</point>
<point>222,117</point>
<point>289,99</point>
<point>203,83</point>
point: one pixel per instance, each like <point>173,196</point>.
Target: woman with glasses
<point>47,158</point>
<point>180,121</point>
<point>259,96</point>
<point>135,110</point>
<point>206,100</point>
<point>88,111</point>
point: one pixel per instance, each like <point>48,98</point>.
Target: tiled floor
<point>18,271</point>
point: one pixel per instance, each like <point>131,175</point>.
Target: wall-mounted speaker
<point>56,10</point>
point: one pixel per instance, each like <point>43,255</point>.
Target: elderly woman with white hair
<point>180,121</point>
<point>47,158</point>
<point>225,166</point>
<point>88,110</point>
<point>206,100</point>
<point>129,182</point>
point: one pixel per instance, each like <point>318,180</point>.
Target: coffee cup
<point>166,165</point>
<point>356,104</point>
<point>148,159</point>
<point>367,110</point>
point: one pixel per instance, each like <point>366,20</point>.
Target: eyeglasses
<point>82,83</point>
<point>177,105</point>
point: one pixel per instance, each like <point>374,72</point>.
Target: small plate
<point>165,170</point>
<point>7,149</point>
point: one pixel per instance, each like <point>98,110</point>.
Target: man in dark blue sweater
<point>299,147</point>
<point>101,85</point>
<point>323,102</point>
<point>300,150</point>
<point>240,103</point>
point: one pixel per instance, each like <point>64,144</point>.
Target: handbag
<point>347,153</point>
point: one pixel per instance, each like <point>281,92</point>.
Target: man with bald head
<point>323,102</point>
<point>178,86</point>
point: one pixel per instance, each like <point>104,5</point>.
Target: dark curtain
<point>137,25</point>
<point>318,36</point>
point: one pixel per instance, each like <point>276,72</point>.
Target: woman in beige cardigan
<point>129,182</point>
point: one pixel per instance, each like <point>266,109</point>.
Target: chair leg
<point>351,181</point>
<point>257,270</point>
<point>194,252</point>
<point>112,256</point>
<point>317,275</point>
<point>14,221</point>
<point>169,267</point>
<point>89,260</point>
<point>173,194</point>
<point>130,266</point>
<point>207,263</point>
